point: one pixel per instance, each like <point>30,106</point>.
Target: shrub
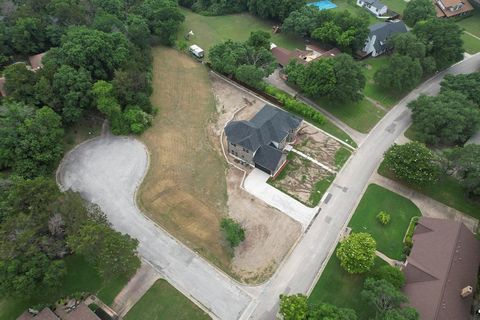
<point>233,231</point>
<point>391,274</point>
<point>384,218</point>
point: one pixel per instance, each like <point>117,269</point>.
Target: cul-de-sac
<point>239,159</point>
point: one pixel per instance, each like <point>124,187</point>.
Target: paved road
<point>106,171</point>
<point>299,271</point>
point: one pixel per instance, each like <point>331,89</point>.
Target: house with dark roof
<point>452,8</point>
<point>45,314</point>
<point>74,310</point>
<point>311,53</point>
<point>260,141</point>
<point>374,6</point>
<point>441,270</point>
<point>380,33</point>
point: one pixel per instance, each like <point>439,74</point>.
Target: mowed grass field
<point>209,31</point>
<point>164,302</point>
<point>185,188</point>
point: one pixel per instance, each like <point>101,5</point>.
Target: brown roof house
<point>311,53</point>
<point>441,270</point>
<point>45,314</point>
<point>73,310</point>
<point>261,141</point>
<point>452,8</point>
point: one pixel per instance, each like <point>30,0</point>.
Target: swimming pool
<point>323,5</point>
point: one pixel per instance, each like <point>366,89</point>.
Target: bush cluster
<point>383,217</point>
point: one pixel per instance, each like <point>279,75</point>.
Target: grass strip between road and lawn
<point>338,287</point>
<point>163,302</point>
<point>81,277</point>
<point>446,190</point>
<point>389,237</point>
<point>470,43</point>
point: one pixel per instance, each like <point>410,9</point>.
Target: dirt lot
<point>185,190</point>
<point>299,179</point>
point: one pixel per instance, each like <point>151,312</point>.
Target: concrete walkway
<point>428,206</point>
<point>138,285</point>
<point>256,184</point>
<point>388,260</point>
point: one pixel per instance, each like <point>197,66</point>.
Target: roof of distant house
<point>451,3</point>
<point>45,314</point>
<point>384,30</point>
<point>269,125</point>
<point>375,3</point>
<point>36,61</point>
<point>444,260</point>
<point>283,55</point>
<point>80,312</point>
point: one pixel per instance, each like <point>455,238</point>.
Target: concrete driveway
<point>107,171</point>
<point>256,184</point>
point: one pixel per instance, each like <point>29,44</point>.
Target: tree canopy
<point>467,162</point>
<point>412,162</point>
<point>418,10</point>
<point>402,73</point>
<point>383,296</point>
<point>467,84</point>
<point>357,252</point>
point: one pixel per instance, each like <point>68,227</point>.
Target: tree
<point>164,19</point>
<point>316,79</point>
<point>303,21</point>
<point>418,10</point>
<point>293,307</point>
<point>73,88</point>
<point>442,39</point>
<point>274,9</point>
<point>39,146</point>
<point>98,52</point>
<point>467,162</point>
<point>28,35</point>
<point>382,295</point>
<point>68,12</point>
<point>107,22</point>
<point>325,311</point>
<point>136,119</point>
<point>250,75</point>
<point>402,314</point>
<point>412,162</point>
<point>349,79</point>
<point>259,39</point>
<point>110,251</point>
<point>357,252</point>
<point>106,101</point>
<point>402,73</point>
<point>12,117</point>
<point>20,83</point>
<point>233,231</point>
<point>137,30</point>
<point>391,274</point>
<point>224,56</point>
<point>468,84</point>
<point>407,44</point>
<point>132,87</point>
<point>449,118</point>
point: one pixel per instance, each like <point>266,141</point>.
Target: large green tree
<point>349,79</point>
<point>467,162</point>
<point>325,311</point>
<point>468,84</point>
<point>449,118</point>
<point>383,296</point>
<point>407,44</point>
<point>20,83</point>
<point>164,19</point>
<point>274,9</point>
<point>110,251</point>
<point>418,10</point>
<point>393,275</point>
<point>412,162</point>
<point>357,252</point>
<point>442,39</point>
<point>294,307</point>
<point>28,35</point>
<point>402,73</point>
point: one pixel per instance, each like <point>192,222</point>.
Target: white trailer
<point>196,51</point>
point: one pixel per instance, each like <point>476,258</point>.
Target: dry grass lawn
<point>185,187</point>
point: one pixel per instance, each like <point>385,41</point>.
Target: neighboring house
<point>377,41</point>
<point>374,6</point>
<point>260,142</point>
<point>452,8</point>
<point>441,270</point>
<point>311,53</point>
<point>75,311</point>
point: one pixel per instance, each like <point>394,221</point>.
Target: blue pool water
<point>323,5</point>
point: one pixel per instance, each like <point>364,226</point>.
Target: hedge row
<point>296,107</point>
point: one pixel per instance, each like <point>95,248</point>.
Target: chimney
<point>466,291</point>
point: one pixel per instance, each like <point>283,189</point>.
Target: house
<point>377,41</point>
<point>261,141</point>
<point>452,8</point>
<point>441,270</point>
<point>73,311</point>
<point>374,6</point>
<point>311,53</point>
<point>45,314</point>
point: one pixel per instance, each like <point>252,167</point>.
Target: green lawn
<point>372,90</point>
<point>402,210</point>
<point>81,277</point>
<point>396,5</point>
<point>350,6</point>
<point>341,156</point>
<point>471,44</point>
<point>212,30</point>
<point>361,116</point>
<point>162,301</point>
<point>340,288</point>
<point>446,190</point>
<point>471,23</point>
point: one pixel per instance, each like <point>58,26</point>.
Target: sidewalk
<point>428,206</point>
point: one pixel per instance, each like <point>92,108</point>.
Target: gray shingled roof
<point>269,125</point>
<point>383,31</point>
<point>268,157</point>
<point>375,3</point>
